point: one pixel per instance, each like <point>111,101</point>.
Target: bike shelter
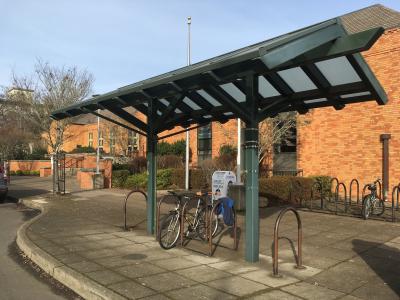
<point>313,67</point>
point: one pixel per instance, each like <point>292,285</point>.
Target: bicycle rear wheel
<point>169,230</point>
<point>379,207</point>
<point>366,207</point>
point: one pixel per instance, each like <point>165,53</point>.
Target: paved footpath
<point>79,240</point>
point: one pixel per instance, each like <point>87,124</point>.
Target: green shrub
<point>136,181</point>
<point>37,154</point>
<point>281,190</point>
<point>137,165</point>
<point>119,178</point>
<point>197,179</point>
<point>170,161</point>
<point>85,149</point>
<point>164,178</point>
<point>177,148</point>
<point>19,173</point>
<point>227,149</point>
<point>325,181</point>
<point>117,166</point>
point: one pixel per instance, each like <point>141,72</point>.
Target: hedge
<point>166,178</point>
<point>281,190</point>
<point>24,173</point>
<point>119,177</point>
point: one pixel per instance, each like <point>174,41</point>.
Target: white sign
<point>220,182</point>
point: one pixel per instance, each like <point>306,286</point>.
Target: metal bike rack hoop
<point>126,202</point>
<point>337,197</point>
<point>209,225</point>
<point>299,262</point>
<point>358,191</point>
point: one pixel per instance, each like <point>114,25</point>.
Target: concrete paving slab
<point>115,242</point>
<point>166,282</point>
<point>311,291</point>
<point>290,269</point>
<point>98,253</point>
<point>274,295</point>
<point>202,259</point>
<point>344,277</point>
<point>199,292</point>
<point>175,263</point>
<point>99,237</point>
<point>237,286</point>
<point>105,277</point>
<point>387,288</point>
<point>131,289</point>
<point>85,266</point>
<point>139,270</point>
<point>156,297</point>
<point>203,273</point>
<point>349,297</point>
<point>115,261</point>
<point>234,267</point>
<point>265,277</point>
<point>69,258</point>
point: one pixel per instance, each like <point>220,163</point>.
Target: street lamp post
<point>189,22</point>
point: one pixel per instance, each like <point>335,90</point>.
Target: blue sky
<point>122,41</point>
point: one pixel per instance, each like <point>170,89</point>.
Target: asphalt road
<point>18,278</point>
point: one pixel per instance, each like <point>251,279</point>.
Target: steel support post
<point>251,164</point>
<point>151,169</point>
<point>385,165</point>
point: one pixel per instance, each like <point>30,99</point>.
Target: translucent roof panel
<point>165,102</point>
<point>209,98</point>
<point>178,111</point>
<point>191,104</point>
<point>316,100</point>
<point>265,88</point>
<point>297,79</point>
<point>235,93</point>
<point>355,95</point>
<point>338,71</point>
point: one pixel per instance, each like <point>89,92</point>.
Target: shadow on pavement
<point>383,259</point>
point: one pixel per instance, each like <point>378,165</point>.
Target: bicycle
<point>372,204</point>
<point>169,229</point>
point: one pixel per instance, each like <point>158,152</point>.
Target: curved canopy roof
<point>313,67</point>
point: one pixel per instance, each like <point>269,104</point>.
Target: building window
<point>91,139</point>
<point>133,141</point>
<point>112,142</point>
<point>101,140</point>
<point>204,143</point>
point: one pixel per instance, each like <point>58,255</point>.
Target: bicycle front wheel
<point>169,231</point>
<point>366,207</point>
<point>202,229</point>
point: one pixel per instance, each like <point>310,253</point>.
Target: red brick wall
<point>29,165</point>
<point>346,143</point>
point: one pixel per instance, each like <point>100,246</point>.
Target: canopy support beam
<point>251,164</point>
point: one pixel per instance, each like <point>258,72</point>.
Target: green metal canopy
<point>317,66</point>
<point>313,67</point>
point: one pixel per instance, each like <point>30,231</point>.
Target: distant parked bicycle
<point>372,204</point>
<point>169,228</point>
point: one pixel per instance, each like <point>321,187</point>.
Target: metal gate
<point>59,173</point>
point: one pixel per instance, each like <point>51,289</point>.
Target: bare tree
<point>52,88</point>
<point>274,131</point>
